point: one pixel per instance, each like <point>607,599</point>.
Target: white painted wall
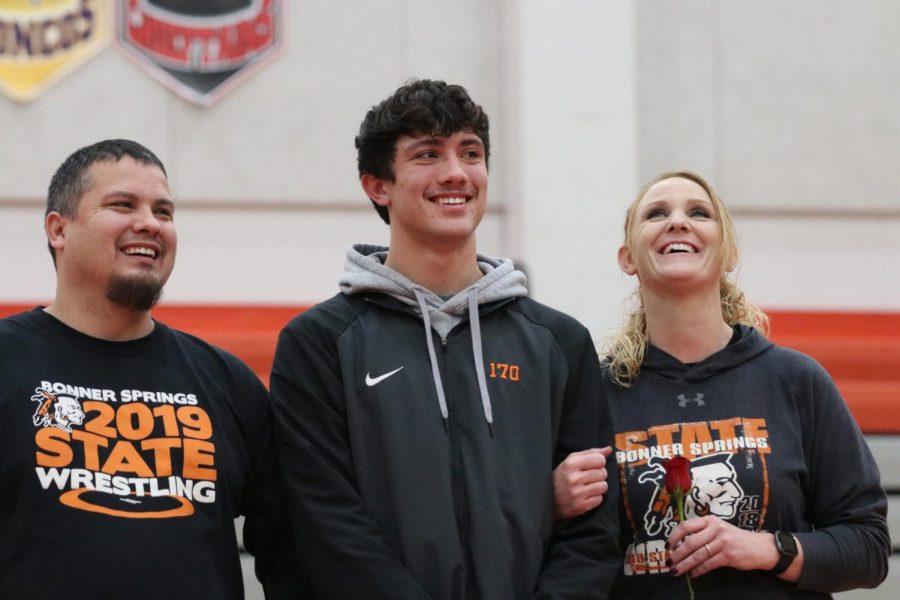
<point>266,179</point>
<point>576,152</point>
<point>587,99</point>
<point>790,110</point>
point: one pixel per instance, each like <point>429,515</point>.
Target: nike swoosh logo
<point>370,381</point>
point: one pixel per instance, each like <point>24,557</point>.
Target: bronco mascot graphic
<point>56,411</point>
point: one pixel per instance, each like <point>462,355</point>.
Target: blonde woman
<point>786,500</point>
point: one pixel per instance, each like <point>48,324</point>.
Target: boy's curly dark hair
<point>420,106</point>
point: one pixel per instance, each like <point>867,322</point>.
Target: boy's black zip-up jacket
<point>388,499</point>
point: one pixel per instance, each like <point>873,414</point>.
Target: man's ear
<point>378,190</point>
<point>55,226</point>
<point>626,263</point>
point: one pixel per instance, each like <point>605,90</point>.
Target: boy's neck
<point>442,272</point>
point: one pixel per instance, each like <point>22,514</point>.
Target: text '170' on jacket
<point>418,437</point>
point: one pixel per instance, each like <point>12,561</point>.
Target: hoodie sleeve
<point>850,545</point>
<point>583,557</point>
<point>337,542</point>
<point>266,534</point>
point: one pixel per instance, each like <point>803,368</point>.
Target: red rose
<point>678,484</point>
<point>678,475</point>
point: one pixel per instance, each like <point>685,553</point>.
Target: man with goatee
<point>127,448</point>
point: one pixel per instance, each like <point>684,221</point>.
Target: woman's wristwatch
<point>787,551</point>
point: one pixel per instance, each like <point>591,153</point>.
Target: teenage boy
<point>421,411</point>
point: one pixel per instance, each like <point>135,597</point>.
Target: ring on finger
<point>708,551</point>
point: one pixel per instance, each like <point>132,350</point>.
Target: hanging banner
<point>43,40</point>
<point>201,49</point>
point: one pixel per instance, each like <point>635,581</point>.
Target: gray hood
<point>366,272</point>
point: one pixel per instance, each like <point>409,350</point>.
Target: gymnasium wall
<point>787,108</point>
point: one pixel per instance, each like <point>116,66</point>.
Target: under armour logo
<point>682,401</point>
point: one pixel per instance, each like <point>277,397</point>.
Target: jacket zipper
<point>460,502</point>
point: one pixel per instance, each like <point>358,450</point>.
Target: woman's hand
<point>702,544</point>
<point>579,482</point>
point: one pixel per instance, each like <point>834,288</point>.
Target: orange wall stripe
<point>861,350</point>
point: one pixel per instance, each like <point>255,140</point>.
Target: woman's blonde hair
<point>624,351</point>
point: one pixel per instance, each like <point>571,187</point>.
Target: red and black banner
<point>201,49</point>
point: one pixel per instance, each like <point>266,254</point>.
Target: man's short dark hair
<point>420,106</point>
<point>71,178</point>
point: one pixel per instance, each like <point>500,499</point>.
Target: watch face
<point>786,543</point>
